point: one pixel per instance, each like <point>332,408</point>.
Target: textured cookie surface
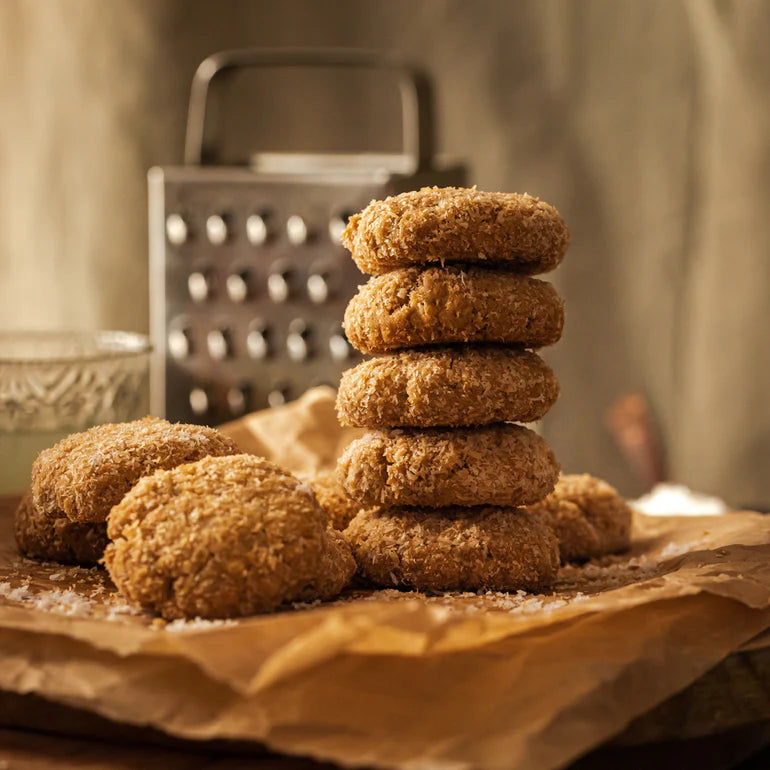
<point>449,387</point>
<point>505,465</point>
<point>87,473</point>
<point>340,507</point>
<point>221,537</point>
<point>41,536</point>
<point>454,224</point>
<point>335,570</point>
<point>454,549</point>
<point>589,517</point>
<point>413,307</point>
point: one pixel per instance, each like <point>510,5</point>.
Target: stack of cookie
<point>454,312</point>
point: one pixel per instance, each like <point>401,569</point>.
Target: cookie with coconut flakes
<point>447,387</point>
<point>223,537</point>
<point>452,224</point>
<point>333,498</point>
<point>412,307</point>
<point>56,538</point>
<point>87,473</point>
<point>454,549</point>
<point>506,465</point>
<point>589,516</point>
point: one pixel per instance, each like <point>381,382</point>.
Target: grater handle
<point>414,86</point>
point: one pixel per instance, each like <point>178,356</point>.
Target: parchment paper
<point>397,679</point>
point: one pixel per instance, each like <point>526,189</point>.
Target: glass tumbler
<point>59,382</point>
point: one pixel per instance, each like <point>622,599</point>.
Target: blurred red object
<point>631,424</point>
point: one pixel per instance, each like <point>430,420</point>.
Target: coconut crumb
<point>196,624</point>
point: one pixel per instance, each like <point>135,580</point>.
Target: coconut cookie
<point>589,517</point>
<point>41,536</point>
<point>449,387</point>
<point>87,473</point>
<point>335,570</point>
<point>413,307</point>
<point>505,465</point>
<point>221,537</point>
<point>451,224</point>
<point>454,549</point>
<point>331,496</point>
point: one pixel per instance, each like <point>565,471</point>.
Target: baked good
<point>452,387</point>
<point>41,536</point>
<point>87,473</point>
<point>453,224</point>
<point>411,307</point>
<point>589,517</point>
<point>221,537</point>
<point>454,549</point>
<point>506,465</point>
<point>336,569</point>
<point>340,507</point>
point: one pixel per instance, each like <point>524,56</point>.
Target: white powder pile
<point>678,500</point>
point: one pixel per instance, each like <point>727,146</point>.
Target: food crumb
<point>197,624</point>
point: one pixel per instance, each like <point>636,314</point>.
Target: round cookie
<point>589,517</point>
<point>221,537</point>
<point>454,549</point>
<point>336,569</point>
<point>87,473</point>
<point>447,387</point>
<point>505,465</point>
<point>340,507</point>
<point>453,224</point>
<point>412,307</point>
<point>41,536</point>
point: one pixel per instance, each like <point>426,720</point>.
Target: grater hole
<point>257,229</point>
<point>237,400</point>
<point>237,286</point>
<point>278,395</point>
<point>177,231</point>
<point>199,285</point>
<point>337,224</point>
<point>217,229</point>
<point>257,340</point>
<point>199,401</point>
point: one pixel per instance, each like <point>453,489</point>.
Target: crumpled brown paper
<point>395,679</point>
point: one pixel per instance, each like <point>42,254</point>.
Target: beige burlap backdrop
<point>646,123</point>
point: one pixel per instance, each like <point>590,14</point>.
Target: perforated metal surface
<point>249,283</point>
<point>248,280</point>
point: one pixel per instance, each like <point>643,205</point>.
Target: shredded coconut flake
<point>196,624</point>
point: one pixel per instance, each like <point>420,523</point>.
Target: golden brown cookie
<point>454,549</point>
<point>87,473</point>
<point>505,465</point>
<point>412,307</point>
<point>340,507</point>
<point>449,387</point>
<point>41,536</point>
<point>589,517</point>
<point>221,537</point>
<point>336,569</point>
<point>451,224</point>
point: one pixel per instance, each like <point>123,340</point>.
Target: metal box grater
<point>248,280</point>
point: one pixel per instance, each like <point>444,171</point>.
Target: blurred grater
<point>248,280</point>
